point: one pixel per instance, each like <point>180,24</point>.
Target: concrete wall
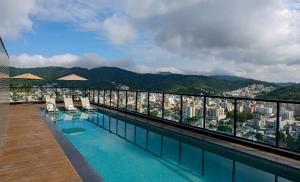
<point>4,90</point>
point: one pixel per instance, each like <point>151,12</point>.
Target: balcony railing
<point>266,122</point>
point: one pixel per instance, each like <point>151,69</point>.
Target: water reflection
<point>206,161</point>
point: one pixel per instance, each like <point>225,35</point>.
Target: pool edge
<point>290,162</point>
<point>80,164</point>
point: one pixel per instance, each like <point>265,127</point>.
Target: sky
<point>250,38</point>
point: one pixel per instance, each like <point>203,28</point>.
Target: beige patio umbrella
<point>27,76</point>
<point>72,77</point>
<point>4,76</point>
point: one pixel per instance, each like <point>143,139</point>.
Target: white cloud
<point>252,38</point>
<point>171,63</point>
<point>89,60</point>
<point>76,11</point>
<point>29,61</point>
<point>119,29</point>
<point>15,17</point>
<point>85,61</point>
<point>150,8</point>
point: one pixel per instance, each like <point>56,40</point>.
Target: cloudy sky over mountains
<point>251,38</point>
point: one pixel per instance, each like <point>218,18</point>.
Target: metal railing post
<point>104,97</point>
<point>136,100</point>
<point>235,117</point>
<point>204,112</point>
<point>126,98</point>
<point>98,96</point>
<point>277,124</point>
<point>109,98</point>
<point>41,98</point>
<point>163,106</point>
<point>148,104</point>
<point>56,94</point>
<point>181,109</point>
<point>118,95</point>
<point>93,95</point>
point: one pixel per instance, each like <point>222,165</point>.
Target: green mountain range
<point>290,92</point>
<point>111,77</point>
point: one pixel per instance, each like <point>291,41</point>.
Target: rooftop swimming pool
<point>122,149</point>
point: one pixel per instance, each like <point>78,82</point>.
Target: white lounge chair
<point>51,104</point>
<point>69,105</point>
<point>86,104</point>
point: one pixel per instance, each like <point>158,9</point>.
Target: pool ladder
<point>54,109</point>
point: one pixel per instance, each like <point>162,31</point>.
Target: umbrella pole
<point>27,91</point>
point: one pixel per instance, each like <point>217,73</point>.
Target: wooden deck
<point>30,152</point>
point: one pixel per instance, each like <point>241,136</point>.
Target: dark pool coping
<point>81,165</point>
<point>237,147</point>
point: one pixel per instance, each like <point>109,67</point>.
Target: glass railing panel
<point>122,99</point>
<point>96,96</point>
<point>101,96</point>
<point>85,92</point>
<point>155,104</point>
<point>142,102</point>
<point>289,126</point>
<point>256,121</point>
<point>17,94</point>
<point>192,110</point>
<point>34,94</point>
<point>25,94</point>
<point>107,98</point>
<point>114,98</point>
<point>131,98</point>
<point>77,93</point>
<point>219,115</point>
<point>90,92</point>
<point>63,92</point>
<point>48,92</point>
<point>172,107</point>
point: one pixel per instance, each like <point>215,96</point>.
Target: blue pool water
<point>122,150</point>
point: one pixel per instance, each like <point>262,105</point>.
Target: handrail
<point>177,115</point>
<point>168,93</point>
<point>159,103</point>
<point>54,110</point>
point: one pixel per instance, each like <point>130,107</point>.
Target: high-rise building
<point>286,115</point>
<point>264,110</point>
<point>188,111</point>
<point>216,113</point>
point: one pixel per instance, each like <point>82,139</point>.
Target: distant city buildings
<point>255,120</point>
<point>250,91</point>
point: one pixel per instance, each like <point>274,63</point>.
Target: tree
<point>241,116</point>
<point>224,128</point>
<point>192,119</point>
<point>282,136</point>
<point>259,136</point>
